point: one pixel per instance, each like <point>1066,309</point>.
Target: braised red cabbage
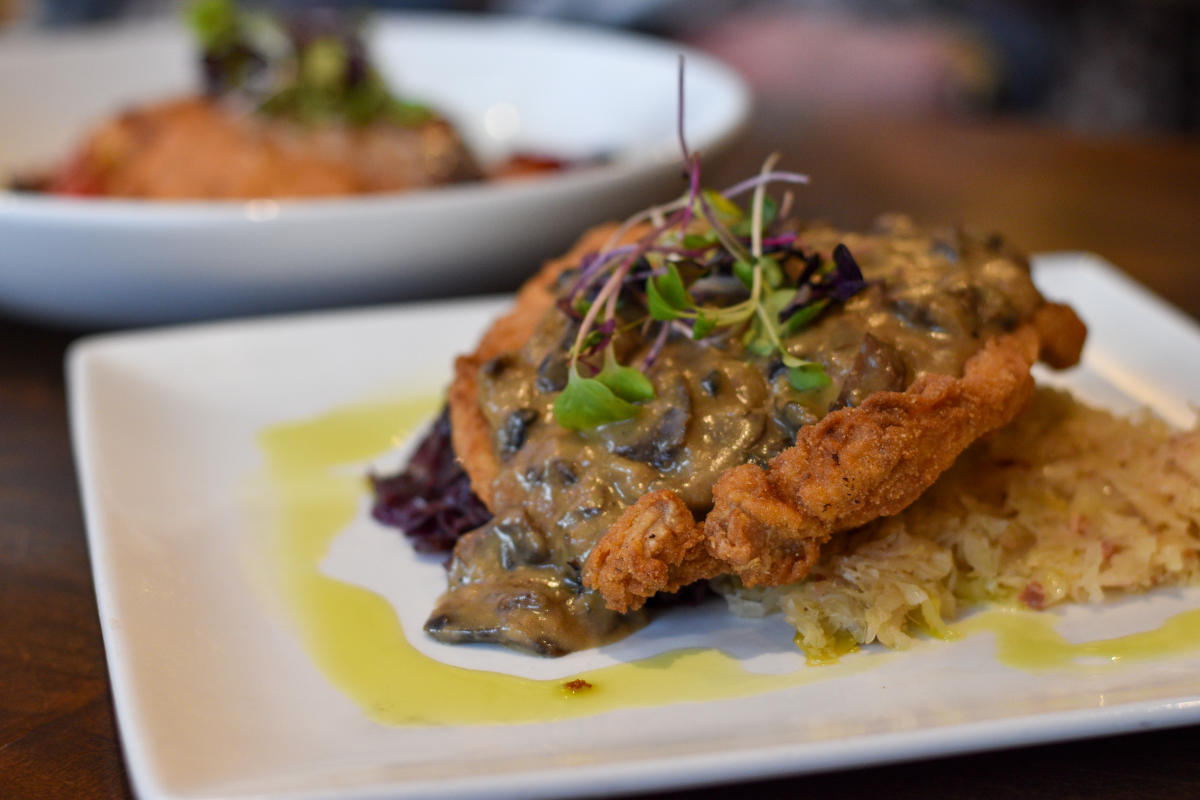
<point>430,500</point>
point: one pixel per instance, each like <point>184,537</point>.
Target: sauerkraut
<point>1066,504</point>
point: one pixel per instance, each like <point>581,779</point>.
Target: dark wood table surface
<point>1135,201</point>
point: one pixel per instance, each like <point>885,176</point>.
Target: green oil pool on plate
<point>1027,640</point>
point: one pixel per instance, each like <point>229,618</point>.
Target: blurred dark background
<point>1091,66</point>
<point>1112,66</point>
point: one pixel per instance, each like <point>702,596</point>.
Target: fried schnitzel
<point>740,463</point>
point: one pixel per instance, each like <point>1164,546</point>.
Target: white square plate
<point>216,694</point>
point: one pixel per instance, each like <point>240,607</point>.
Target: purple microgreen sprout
<point>722,250</point>
<point>849,278</point>
<point>784,240</point>
<point>738,189</point>
<point>652,214</point>
<point>664,332</point>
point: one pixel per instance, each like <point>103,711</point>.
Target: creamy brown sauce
<point>930,303</point>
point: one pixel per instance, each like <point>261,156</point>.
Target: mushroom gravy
<point>930,303</point>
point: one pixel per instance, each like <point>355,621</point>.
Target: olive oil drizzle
<point>1028,640</point>
<point>315,469</point>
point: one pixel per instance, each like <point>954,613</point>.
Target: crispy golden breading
<point>855,465</point>
<point>767,526</point>
<point>655,546</point>
<point>1060,335</point>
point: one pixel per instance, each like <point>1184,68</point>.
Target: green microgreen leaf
<point>667,297</point>
<point>761,346</point>
<point>720,230</point>
<point>673,291</point>
<point>775,301</point>
<point>744,272</point>
<point>772,272</point>
<point>756,340</point>
<point>703,325</point>
<point>408,113</point>
<point>770,209</point>
<point>660,309</point>
<point>733,315</point>
<point>214,22</point>
<point>698,241</point>
<point>808,377</point>
<point>323,64</point>
<point>727,211</point>
<point>592,339</point>
<point>588,403</point>
<point>790,360</point>
<point>803,316</point>
<point>626,383</point>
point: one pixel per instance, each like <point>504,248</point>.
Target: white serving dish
<point>508,83</point>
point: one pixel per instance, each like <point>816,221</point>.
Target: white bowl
<point>507,83</point>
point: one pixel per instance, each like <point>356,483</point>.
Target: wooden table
<point>1135,202</point>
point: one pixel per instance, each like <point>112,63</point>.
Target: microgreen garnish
<point>588,403</point>
<point>627,383</point>
<point>706,268</point>
<point>310,68</point>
